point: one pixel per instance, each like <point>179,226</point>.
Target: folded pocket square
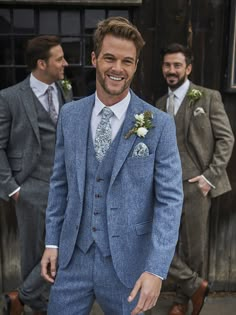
<point>140,150</point>
<point>199,111</point>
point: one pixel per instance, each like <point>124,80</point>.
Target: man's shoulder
<point>78,105</point>
<point>203,89</point>
<point>13,89</point>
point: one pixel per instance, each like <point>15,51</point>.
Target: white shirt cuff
<point>51,246</point>
<point>155,275</point>
<point>208,182</point>
<point>15,191</point>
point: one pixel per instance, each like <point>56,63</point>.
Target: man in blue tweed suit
<point>115,197</point>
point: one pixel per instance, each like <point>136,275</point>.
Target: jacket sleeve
<point>223,139</point>
<point>7,181</point>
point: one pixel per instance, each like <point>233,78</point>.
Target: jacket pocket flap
<point>143,228</point>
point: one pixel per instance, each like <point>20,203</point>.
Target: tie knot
<point>107,113</point>
<point>49,89</point>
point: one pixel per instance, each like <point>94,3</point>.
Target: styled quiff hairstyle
<point>119,27</point>
<point>39,48</point>
<point>178,48</point>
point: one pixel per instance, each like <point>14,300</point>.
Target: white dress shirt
<point>119,110</point>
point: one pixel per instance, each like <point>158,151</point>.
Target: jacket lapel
<point>28,101</point>
<point>161,104</point>
<point>125,145</point>
<point>81,136</point>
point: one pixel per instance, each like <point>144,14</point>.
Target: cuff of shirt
<point>15,191</point>
<point>51,246</point>
<point>208,182</point>
<point>155,275</point>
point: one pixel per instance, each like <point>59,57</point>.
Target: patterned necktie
<point>51,108</point>
<point>171,107</point>
<point>103,134</point>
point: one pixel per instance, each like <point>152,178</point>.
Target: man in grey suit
<point>28,116</point>
<point>205,142</point>
<point>116,191</point>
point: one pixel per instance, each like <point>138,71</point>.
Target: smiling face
<point>175,70</point>
<point>115,67</point>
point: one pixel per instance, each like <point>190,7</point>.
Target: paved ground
<point>216,304</point>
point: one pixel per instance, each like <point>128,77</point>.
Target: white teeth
<point>115,78</point>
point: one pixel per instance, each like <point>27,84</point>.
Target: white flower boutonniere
<point>143,122</point>
<point>194,95</point>
<point>66,85</point>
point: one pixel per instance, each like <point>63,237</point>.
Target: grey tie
<point>103,134</point>
<point>171,107</point>
<point>51,107</point>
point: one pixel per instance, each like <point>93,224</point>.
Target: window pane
<point>23,21</point>
<point>123,13</point>
<point>70,23</point>
<point>90,80</point>
<point>88,50</point>
<point>48,22</point>
<point>76,77</point>
<point>72,50</point>
<point>19,52</point>
<point>6,77</point>
<point>5,51</point>
<point>5,22</point>
<point>21,74</point>
<point>91,19</point>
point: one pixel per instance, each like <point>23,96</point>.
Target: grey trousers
<point>30,212</point>
<point>190,263</point>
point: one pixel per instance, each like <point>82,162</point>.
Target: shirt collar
<point>118,109</point>
<point>181,91</point>
<point>38,85</point>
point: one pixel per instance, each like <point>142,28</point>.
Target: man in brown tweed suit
<point>205,142</point>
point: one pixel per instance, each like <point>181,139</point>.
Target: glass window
<point>91,19</point>
<point>72,50</point>
<point>48,22</point>
<point>23,21</point>
<point>74,25</point>
<point>70,23</point>
<point>5,51</point>
<point>5,22</point>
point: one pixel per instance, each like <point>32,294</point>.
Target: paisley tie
<point>103,134</point>
<point>51,108</point>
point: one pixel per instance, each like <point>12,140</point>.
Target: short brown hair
<point>119,27</point>
<point>39,48</point>
<point>178,48</point>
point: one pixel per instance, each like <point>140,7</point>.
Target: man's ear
<point>41,64</point>
<point>93,59</point>
<point>189,69</point>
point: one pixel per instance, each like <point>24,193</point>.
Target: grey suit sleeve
<point>7,181</point>
<point>223,138</point>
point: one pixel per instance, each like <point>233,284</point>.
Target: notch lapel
<point>28,103</point>
<point>125,145</point>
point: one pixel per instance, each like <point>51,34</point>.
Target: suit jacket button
<point>94,229</point>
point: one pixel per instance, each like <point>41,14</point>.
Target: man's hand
<point>149,286</point>
<point>16,195</point>
<point>202,184</point>
<point>49,264</point>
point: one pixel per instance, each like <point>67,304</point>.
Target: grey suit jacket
<point>208,135</point>
<point>19,135</point>
<point>144,198</point>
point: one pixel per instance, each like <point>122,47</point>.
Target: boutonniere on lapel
<point>143,122</point>
<point>194,95</point>
<point>66,85</point>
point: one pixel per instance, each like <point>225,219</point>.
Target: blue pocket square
<point>140,150</point>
